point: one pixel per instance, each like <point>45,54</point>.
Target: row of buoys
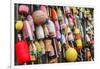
<point>51,31</point>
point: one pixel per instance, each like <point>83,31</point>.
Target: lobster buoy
<point>22,52</point>
<point>90,17</point>
<point>59,13</point>
<point>30,20</point>
<point>48,44</point>
<point>66,20</point>
<point>39,32</point>
<point>70,35</point>
<point>27,30</point>
<point>51,53</point>
<point>87,38</point>
<point>43,8</point>
<point>53,14</point>
<point>33,51</point>
<point>19,25</point>
<point>75,11</point>
<point>76,31</point>
<point>23,9</point>
<point>71,22</point>
<point>71,54</point>
<point>57,28</point>
<point>78,38</point>
<point>57,25</point>
<point>51,28</point>
<point>58,35</point>
<point>39,17</point>
<point>45,29</point>
<point>42,45</point>
<point>63,40</point>
<point>39,48</point>
<point>67,10</point>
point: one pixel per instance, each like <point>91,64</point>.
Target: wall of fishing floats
<point>47,34</point>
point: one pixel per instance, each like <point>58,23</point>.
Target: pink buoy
<point>43,8</point>
<point>39,17</point>
<point>23,9</point>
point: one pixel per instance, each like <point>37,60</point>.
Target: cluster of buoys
<point>53,34</point>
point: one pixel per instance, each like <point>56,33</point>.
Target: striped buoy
<point>78,38</point>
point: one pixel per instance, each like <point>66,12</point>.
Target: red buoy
<point>22,52</point>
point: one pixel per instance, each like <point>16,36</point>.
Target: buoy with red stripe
<point>78,38</point>
<point>56,23</point>
<point>22,52</point>
<point>52,34</point>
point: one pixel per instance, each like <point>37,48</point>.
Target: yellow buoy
<point>19,25</point>
<point>76,31</point>
<point>71,54</point>
<point>75,11</point>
